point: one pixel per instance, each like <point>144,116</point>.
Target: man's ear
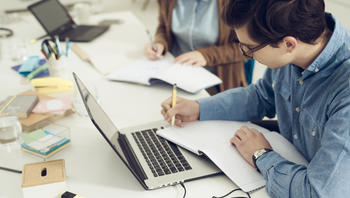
<point>289,43</point>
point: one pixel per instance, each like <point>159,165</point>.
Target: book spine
<point>6,104</point>
<point>31,107</point>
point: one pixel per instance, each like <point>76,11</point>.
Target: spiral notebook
<point>212,138</point>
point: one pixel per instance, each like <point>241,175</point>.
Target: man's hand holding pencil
<point>184,110</point>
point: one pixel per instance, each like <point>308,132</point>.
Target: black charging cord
<point>183,186</point>
<point>5,32</point>
<point>234,190</point>
<point>227,194</point>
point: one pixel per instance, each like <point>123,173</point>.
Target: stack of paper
<point>43,143</point>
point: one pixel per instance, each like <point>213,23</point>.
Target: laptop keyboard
<point>162,157</point>
<point>81,31</point>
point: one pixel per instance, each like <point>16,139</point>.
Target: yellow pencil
<point>173,104</point>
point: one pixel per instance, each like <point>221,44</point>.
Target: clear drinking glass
<point>18,49</point>
<point>82,12</point>
<point>10,130</point>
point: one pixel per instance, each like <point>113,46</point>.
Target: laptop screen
<point>99,117</point>
<point>51,14</point>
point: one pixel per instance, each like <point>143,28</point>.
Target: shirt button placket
<point>295,136</point>
<point>301,82</point>
<point>313,133</point>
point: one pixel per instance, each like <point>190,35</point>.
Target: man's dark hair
<point>271,20</point>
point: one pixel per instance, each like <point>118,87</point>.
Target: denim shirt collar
<point>333,45</point>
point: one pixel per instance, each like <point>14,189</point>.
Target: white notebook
<point>213,139</point>
<point>189,78</point>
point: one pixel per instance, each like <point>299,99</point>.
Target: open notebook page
<point>213,139</point>
<point>140,71</point>
<point>188,78</point>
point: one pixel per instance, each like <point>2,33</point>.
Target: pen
<point>52,57</point>
<point>44,53</point>
<point>66,42</point>
<point>154,47</point>
<point>58,45</point>
<point>37,71</point>
<point>51,49</point>
<point>83,56</point>
<point>11,170</point>
<point>173,103</point>
<point>68,45</point>
<point>54,50</point>
<point>46,50</point>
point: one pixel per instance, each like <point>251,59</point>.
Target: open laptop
<point>56,21</point>
<point>154,161</point>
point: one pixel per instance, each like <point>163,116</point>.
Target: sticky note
<point>30,64</point>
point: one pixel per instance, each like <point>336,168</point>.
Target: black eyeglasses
<point>248,52</point>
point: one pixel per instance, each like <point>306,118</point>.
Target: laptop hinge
<point>63,29</point>
<point>131,157</point>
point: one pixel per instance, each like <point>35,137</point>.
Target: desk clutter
<point>49,110</point>
<point>40,69</point>
<point>51,85</point>
<point>44,143</point>
<point>35,110</point>
<point>20,106</point>
<point>52,48</point>
<point>43,73</point>
<point>41,173</point>
<point>36,113</point>
<point>46,179</point>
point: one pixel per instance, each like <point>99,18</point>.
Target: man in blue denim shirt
<point>307,86</point>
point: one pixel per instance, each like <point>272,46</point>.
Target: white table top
<point>92,167</point>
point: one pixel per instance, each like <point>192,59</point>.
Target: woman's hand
<point>153,54</point>
<point>194,58</point>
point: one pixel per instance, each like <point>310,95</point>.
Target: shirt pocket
<point>282,90</point>
<point>309,125</point>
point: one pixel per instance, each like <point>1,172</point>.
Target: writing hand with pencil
<point>184,110</point>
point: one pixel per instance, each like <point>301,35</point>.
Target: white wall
<point>339,8</point>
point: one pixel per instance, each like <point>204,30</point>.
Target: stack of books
<point>20,106</point>
<point>40,118</point>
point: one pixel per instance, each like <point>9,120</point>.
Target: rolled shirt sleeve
<point>327,174</point>
<point>241,104</point>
